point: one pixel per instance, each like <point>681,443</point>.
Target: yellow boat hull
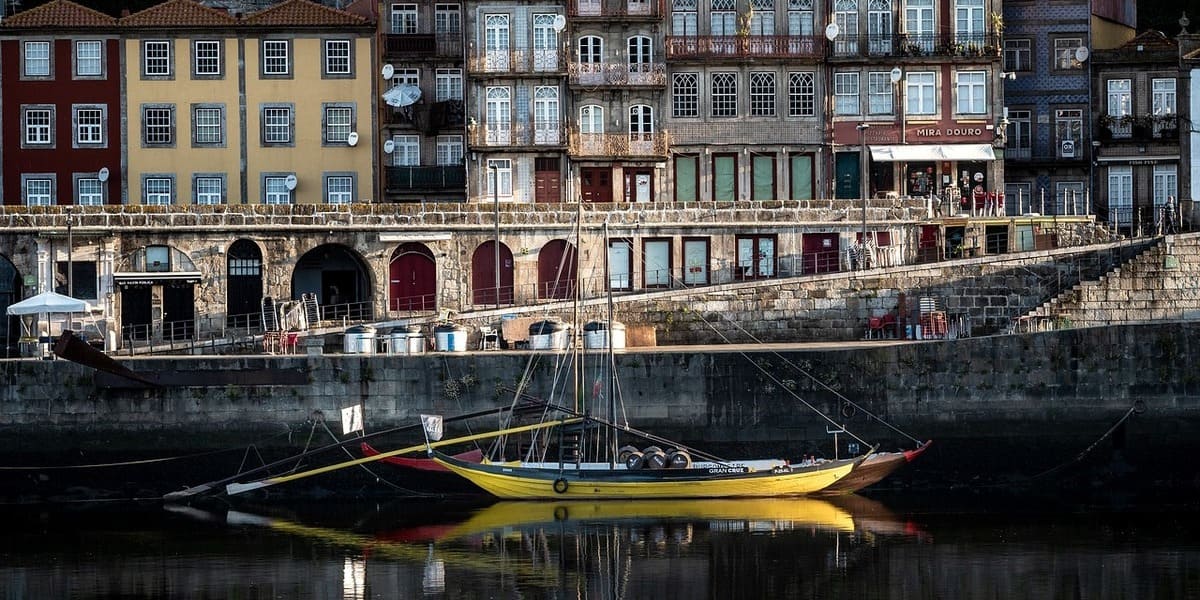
<point>516,483</point>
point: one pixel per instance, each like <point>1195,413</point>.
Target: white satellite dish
<point>560,22</point>
<point>290,182</point>
<point>388,71</point>
<point>402,95</point>
<point>1082,54</point>
<point>831,31</point>
<point>896,74</point>
<point>103,174</point>
<point>389,147</point>
<point>352,138</point>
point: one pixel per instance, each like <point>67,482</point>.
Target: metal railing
<point>517,61</point>
<point>618,145</point>
<point>617,74</point>
<point>447,44</point>
<point>744,46</point>
<point>520,133</point>
<point>425,178</point>
<point>614,8</point>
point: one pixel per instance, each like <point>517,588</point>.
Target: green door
<point>847,171</point>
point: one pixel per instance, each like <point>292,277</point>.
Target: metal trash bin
<point>550,334</point>
<point>596,335</point>
<point>414,342</point>
<point>394,341</point>
<point>449,337</point>
<point>359,339</point>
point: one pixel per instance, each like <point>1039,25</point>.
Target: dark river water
<point>858,547</point>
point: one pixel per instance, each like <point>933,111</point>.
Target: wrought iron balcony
<point>407,45</point>
<point>428,116</point>
<point>619,145</point>
<point>1164,128</point>
<point>607,9</point>
<point>411,179</point>
<point>617,74</point>
<point>517,61</point>
<point>536,133</point>
<point>933,44</point>
<point>744,46</point>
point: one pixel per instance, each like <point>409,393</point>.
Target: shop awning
<point>912,152</point>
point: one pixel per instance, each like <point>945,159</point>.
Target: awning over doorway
<point>913,152</point>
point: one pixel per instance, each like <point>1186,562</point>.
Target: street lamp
<point>895,75</point>
<point>864,189</point>
<point>831,33</point>
<point>70,252</point>
<point>495,168</point>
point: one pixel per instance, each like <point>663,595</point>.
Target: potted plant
<point>1105,126</point>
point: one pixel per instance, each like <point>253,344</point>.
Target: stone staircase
<point>1162,282</point>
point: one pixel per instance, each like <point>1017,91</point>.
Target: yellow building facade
<point>270,108</point>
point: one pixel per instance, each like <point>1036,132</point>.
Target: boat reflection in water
<point>635,549</point>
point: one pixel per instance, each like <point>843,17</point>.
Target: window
<point>722,17</point>
<point>1119,104</point>
<point>496,41</point>
<point>641,122</point>
<point>407,152</point>
<point>762,17</point>
<point>918,19</point>
<point>762,177</point>
<point>338,60</point>
<point>89,125</point>
<point>1120,194</point>
<point>89,58</point>
<point>1020,135</point>
<point>687,177</point>
<point>450,150</point>
<point>1068,129</point>
<point>801,176</point>
<point>499,114</point>
<point>404,18</point>
<point>800,17</point>
<point>156,59</point>
<point>448,85</point>
<point>339,189</point>
<point>802,94</point>
<point>89,191</point>
<point>846,16</point>
<point>591,119</point>
<point>447,18</point>
<point>683,17</point>
<point>1069,195</point>
<point>591,54</point>
<point>724,177</point>
<point>879,27</point>
<point>275,190</point>
<point>499,177</point>
<point>1162,99</point>
<point>158,125</point>
<point>1165,187</point>
<point>1064,53</point>
<point>276,58</point>
<point>546,128</point>
<point>921,95</point>
<point>337,124</point>
<point>1018,55</point>
<point>685,95</point>
<point>208,189</point>
<point>208,125</point>
<point>656,258</point>
<point>405,76</point>
<point>724,94</point>
<point>277,125</point>
<point>755,256</point>
<point>968,22</point>
<point>157,191</point>
<point>879,93</point>
<point>762,94</point>
<point>37,59</point>
<point>206,59</point>
<point>972,93</point>
<point>81,284</point>
<point>39,126</point>
<point>845,93</point>
<point>641,54</point>
<point>39,191</point>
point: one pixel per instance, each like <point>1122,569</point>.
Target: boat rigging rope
<point>811,377</point>
<point>376,476</point>
<point>127,463</point>
<point>1138,407</point>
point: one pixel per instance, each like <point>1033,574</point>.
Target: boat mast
<point>612,366</point>
<point>577,332</point>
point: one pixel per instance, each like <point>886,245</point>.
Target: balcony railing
<point>614,8</point>
<point>428,116</point>
<point>1141,128</point>
<point>619,145</point>
<point>743,46</point>
<point>946,43</point>
<point>423,44</point>
<point>617,74</point>
<point>517,61</point>
<point>536,133</point>
<point>404,179</point>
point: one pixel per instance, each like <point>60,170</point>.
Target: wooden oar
<point>212,485</point>
<point>238,488</point>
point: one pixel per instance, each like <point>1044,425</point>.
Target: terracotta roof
<point>301,13</point>
<point>178,13</point>
<point>59,14</point>
<point>363,8</point>
<point>1151,40</point>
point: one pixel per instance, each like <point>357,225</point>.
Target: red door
<point>595,184</point>
<point>547,180</point>
<point>483,275</point>
<point>556,270</point>
<point>412,278</point>
<point>820,253</point>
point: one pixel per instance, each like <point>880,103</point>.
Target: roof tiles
<point>178,13</point>
<point>303,13</point>
<point>59,14</point>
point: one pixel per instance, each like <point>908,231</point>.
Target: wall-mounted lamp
<point>1009,75</point>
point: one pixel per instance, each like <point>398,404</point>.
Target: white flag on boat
<point>352,419</point>
<point>433,426</point>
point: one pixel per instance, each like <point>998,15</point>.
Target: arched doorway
<point>339,278</point>
<point>10,286</point>
<point>483,275</point>
<point>556,270</point>
<point>243,299</point>
<point>412,278</point>
<point>158,297</point>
